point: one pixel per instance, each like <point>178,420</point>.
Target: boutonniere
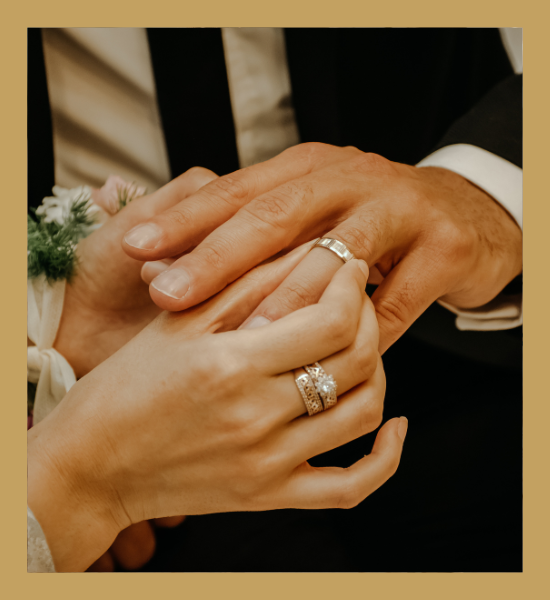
<point>65,218</point>
<point>54,230</point>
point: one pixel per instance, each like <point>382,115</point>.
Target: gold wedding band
<point>309,394</point>
<point>336,246</point>
<point>318,390</point>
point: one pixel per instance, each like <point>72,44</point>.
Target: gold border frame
<point>15,582</point>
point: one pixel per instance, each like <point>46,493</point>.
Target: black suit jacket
<point>401,93</point>
<point>398,92</point>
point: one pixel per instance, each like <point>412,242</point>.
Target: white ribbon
<point>45,366</point>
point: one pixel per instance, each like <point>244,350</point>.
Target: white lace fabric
<point>39,557</point>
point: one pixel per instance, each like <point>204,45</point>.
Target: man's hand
<point>427,233</point>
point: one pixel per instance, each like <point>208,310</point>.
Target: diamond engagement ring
<point>336,246</point>
<point>324,384</point>
<point>318,390</point>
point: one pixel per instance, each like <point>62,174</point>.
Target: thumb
<point>407,291</point>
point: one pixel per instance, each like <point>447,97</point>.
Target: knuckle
<point>353,151</point>
<point>393,308</point>
<point>376,415</point>
<point>240,424</point>
<point>217,255</point>
<point>228,374</point>
<point>296,295</point>
<point>339,328</point>
<point>199,173</point>
<point>199,176</point>
<point>178,217</point>
<point>232,190</point>
<point>249,430</point>
<point>244,427</point>
<point>365,357</point>
<point>348,496</point>
<point>230,368</point>
<point>253,473</point>
<point>313,146</point>
<point>416,198</point>
<point>371,163</point>
<point>313,150</point>
<point>309,153</point>
<point>276,207</point>
<point>370,415</point>
<point>214,257</point>
<point>452,242</point>
<point>360,238</point>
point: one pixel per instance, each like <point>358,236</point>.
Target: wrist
<point>501,179</point>
<point>71,337</point>
<point>78,513</point>
<point>493,230</point>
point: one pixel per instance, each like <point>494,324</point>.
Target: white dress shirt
<point>106,121</point>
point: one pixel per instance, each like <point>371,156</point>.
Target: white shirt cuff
<point>504,182</point>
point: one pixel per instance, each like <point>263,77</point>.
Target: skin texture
<point>426,234</point>
<point>193,417</point>
<point>106,304</point>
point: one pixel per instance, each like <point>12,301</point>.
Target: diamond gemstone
<point>326,384</point>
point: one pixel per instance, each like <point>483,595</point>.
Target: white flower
<point>57,208</point>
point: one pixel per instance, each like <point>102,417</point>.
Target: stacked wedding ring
<point>324,384</point>
<point>318,390</point>
<point>311,398</point>
<point>336,246</point>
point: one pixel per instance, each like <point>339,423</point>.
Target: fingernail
<point>363,266</point>
<point>257,322</point>
<point>145,237</point>
<point>173,283</point>
<point>402,428</point>
<point>153,269</point>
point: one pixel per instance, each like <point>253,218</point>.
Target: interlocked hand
<point>426,234</point>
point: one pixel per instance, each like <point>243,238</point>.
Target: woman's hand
<point>106,303</point>
<point>191,417</point>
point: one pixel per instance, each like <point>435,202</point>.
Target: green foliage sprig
<point>52,245</point>
<point>56,227</point>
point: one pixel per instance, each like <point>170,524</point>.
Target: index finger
<point>290,214</point>
<point>189,222</point>
<point>312,333</point>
